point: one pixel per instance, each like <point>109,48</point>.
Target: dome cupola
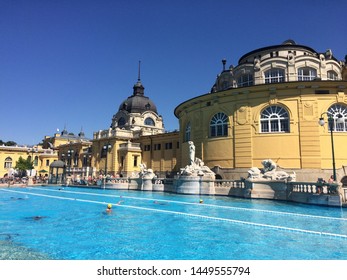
<point>138,102</point>
<point>138,112</point>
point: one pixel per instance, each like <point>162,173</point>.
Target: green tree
<point>22,165</point>
<point>8,143</point>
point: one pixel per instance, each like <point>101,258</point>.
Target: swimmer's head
<point>109,206</point>
<point>201,201</point>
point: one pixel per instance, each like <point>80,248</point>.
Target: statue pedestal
<point>267,189</point>
<point>30,181</point>
<point>195,185</point>
<point>147,185</point>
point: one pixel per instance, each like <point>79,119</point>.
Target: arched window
<point>219,125</point>
<point>8,163</point>
<point>121,122</point>
<point>274,119</point>
<point>307,74</point>
<point>275,75</point>
<point>149,121</point>
<point>338,111</point>
<point>36,161</point>
<point>332,75</point>
<point>245,80</point>
<point>187,133</point>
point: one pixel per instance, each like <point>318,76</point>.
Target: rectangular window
<point>168,146</point>
<point>47,162</point>
<point>147,147</point>
<point>135,161</point>
<point>274,76</point>
<point>157,147</point>
<point>307,74</point>
<point>177,145</point>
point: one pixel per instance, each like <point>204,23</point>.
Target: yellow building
<point>41,158</point>
<point>73,150</point>
<point>117,151</point>
<point>162,153</point>
<point>268,107</point>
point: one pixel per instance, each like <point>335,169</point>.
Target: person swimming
<point>35,218</point>
<point>109,208</point>
<point>160,203</point>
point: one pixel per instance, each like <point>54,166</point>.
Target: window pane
<point>213,131</point>
<point>274,125</point>
<point>264,126</point>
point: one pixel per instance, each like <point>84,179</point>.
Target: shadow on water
<point>10,250</point>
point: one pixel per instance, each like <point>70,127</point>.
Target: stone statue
<point>196,166</point>
<point>146,173</point>
<point>256,64</point>
<point>269,172</point>
<point>191,152</point>
<point>269,165</point>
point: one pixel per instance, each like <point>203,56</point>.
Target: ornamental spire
<point>139,72</point>
<point>138,87</point>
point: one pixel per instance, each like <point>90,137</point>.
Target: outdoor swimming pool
<point>71,224</point>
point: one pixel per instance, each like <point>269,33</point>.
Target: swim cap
<point>109,205</point>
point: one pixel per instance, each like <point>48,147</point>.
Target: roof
<point>138,102</point>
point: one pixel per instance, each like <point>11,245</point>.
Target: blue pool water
<point>161,226</point>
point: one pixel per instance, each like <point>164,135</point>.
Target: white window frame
<point>219,125</point>
<point>275,75</point>
<point>245,80</point>
<point>332,75</point>
<point>8,163</point>
<point>307,74</point>
<point>336,111</point>
<point>274,119</point>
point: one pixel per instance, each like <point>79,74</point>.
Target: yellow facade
<point>307,145</point>
<point>285,85</point>
<point>42,158</point>
<point>77,157</point>
<point>161,152</point>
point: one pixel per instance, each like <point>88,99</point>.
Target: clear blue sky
<point>71,62</point>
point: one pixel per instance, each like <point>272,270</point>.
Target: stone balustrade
<point>313,187</point>
<point>229,184</point>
